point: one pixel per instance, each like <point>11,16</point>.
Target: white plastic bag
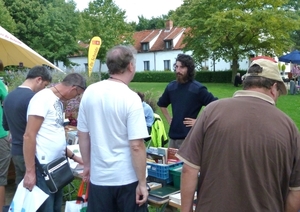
<point>79,205</point>
<point>27,201</point>
<point>72,206</point>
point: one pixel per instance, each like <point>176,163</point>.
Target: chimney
<point>169,25</point>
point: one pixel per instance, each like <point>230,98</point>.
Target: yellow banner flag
<point>94,47</point>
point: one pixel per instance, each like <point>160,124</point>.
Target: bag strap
<point>80,192</point>
<point>44,174</point>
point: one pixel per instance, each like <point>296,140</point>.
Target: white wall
<point>222,65</point>
<point>159,57</point>
<point>81,67</point>
<point>156,61</point>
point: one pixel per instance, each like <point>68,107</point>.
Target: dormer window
<point>145,47</point>
<point>168,44</point>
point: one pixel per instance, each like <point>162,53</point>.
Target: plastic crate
<point>176,174</point>
<point>163,182</point>
<point>161,171</point>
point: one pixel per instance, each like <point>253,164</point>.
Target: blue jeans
<point>54,202</point>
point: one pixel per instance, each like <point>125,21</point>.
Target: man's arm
<point>189,179</point>
<point>74,157</point>
<point>29,147</point>
<point>165,112</point>
<point>85,150</point>
<point>293,201</point>
<point>138,157</point>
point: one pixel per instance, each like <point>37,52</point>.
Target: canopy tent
<point>293,57</point>
<point>15,52</point>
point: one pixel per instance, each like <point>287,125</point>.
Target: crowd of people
<point>239,153</point>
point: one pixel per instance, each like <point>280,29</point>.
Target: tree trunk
<point>234,68</point>
<point>100,67</point>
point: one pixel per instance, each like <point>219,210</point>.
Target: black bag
<point>57,174</point>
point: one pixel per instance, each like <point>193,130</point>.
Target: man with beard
<point>186,96</point>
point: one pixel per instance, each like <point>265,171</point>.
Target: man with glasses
<point>247,150</point>
<point>45,136</point>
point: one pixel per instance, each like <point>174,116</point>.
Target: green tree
<point>6,21</point>
<point>58,31</point>
<point>105,19</point>
<point>230,30</point>
<point>295,35</point>
<point>25,13</point>
<point>153,23</point>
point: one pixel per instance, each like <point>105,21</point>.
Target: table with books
<point>163,166</point>
<point>175,201</point>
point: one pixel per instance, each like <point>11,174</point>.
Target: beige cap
<point>269,70</point>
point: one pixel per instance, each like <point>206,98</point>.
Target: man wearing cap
<point>247,150</point>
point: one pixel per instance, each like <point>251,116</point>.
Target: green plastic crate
<point>176,173</point>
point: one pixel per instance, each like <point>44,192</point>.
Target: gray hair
<point>118,58</point>
<point>75,79</point>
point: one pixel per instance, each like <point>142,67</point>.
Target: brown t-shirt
<point>248,151</point>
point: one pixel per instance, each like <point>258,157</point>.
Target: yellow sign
<point>94,47</point>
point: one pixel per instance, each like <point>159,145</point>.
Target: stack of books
<point>176,198</point>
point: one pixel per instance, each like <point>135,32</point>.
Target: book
<point>171,158</point>
<point>154,185</point>
<point>177,198</point>
<point>164,192</point>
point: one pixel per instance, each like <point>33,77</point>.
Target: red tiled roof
<point>159,45</point>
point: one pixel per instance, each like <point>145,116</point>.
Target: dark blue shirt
<point>15,116</point>
<point>186,101</point>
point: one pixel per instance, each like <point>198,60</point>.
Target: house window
<point>168,44</point>
<point>86,66</point>
<point>145,46</point>
<point>146,65</point>
<point>167,65</point>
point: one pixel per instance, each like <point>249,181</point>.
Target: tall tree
<point>295,35</point>
<point>6,21</point>
<point>58,31</point>
<point>230,30</point>
<point>152,23</point>
<point>105,19</point>
<point>25,13</point>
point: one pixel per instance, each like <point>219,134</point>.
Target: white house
<point>157,50</point>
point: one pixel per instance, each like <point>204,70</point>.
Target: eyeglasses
<point>79,87</point>
<point>78,94</point>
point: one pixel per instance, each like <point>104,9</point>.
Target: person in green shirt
<point>4,146</point>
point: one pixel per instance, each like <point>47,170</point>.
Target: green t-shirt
<point>3,94</point>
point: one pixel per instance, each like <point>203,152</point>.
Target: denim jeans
<point>54,202</point>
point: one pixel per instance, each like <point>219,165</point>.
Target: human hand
<point>189,122</point>
<point>29,180</point>
<point>141,194</point>
<point>86,174</point>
